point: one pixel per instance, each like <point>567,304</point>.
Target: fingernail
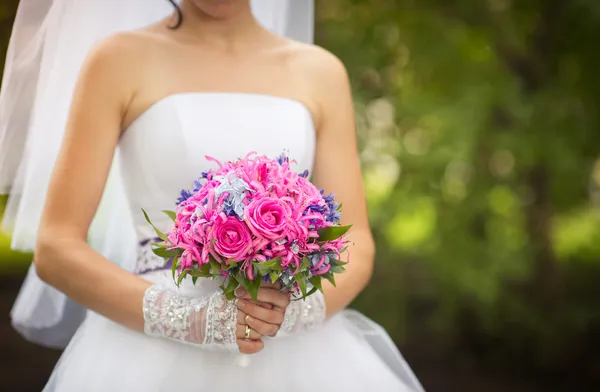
<point>240,291</point>
<point>241,304</point>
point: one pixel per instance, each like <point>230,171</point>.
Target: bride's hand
<point>265,317</point>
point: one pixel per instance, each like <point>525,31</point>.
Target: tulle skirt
<point>348,353</point>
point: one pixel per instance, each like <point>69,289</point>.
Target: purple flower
<point>334,216</point>
<point>333,213</point>
<point>282,159</point>
<point>317,208</point>
<point>186,194</point>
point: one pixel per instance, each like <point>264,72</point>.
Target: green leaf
<point>276,264</point>
<point>215,267</point>
<point>335,262</point>
<point>170,214</point>
<point>232,284</point>
<point>333,232</point>
<point>229,290</point>
<point>254,286</point>
<point>316,282</point>
<point>181,277</point>
<point>264,267</point>
<point>159,233</point>
<point>194,279</point>
<point>167,254</point>
<point>199,273</point>
<point>230,296</point>
<point>174,267</point>
<point>274,276</point>
<point>231,264</point>
<point>311,292</point>
<point>205,268</point>
<point>329,277</point>
<point>241,279</point>
<point>336,269</point>
<point>301,279</point>
<point>305,263</point>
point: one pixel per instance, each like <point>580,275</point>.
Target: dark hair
<point>179,15</point>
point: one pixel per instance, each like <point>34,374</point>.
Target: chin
<point>220,9</point>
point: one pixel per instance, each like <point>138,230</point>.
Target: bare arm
<point>337,170</point>
<point>62,256</point>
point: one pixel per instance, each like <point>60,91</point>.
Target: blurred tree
<point>480,143</point>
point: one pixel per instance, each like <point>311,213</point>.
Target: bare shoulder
<point>324,79</point>
<point>126,50</point>
<point>123,63</point>
<point>123,55</point>
<point>118,49</point>
<point>318,65</point>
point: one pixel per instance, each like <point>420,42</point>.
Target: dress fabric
<point>161,153</point>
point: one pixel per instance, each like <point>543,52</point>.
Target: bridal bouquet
<point>251,221</point>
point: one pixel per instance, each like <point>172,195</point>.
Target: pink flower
<point>232,238</point>
<point>268,217</point>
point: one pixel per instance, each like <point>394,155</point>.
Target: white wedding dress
<point>161,153</point>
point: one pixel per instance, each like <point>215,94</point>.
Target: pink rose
<point>232,238</point>
<point>268,218</point>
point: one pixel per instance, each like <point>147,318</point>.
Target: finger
<point>274,316</point>
<point>250,346</point>
<point>276,285</point>
<point>240,333</point>
<point>240,291</point>
<point>262,328</point>
<point>241,317</point>
<point>271,296</point>
<point>265,305</point>
<point>261,304</point>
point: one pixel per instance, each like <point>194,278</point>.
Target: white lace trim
<point>221,317</point>
<point>169,315</point>
<point>146,260</point>
<point>206,321</point>
<point>304,315</point>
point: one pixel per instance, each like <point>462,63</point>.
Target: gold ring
<point>248,330</point>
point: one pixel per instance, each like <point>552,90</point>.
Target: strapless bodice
<point>165,149</point>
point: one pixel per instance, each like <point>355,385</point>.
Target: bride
<point>209,80</point>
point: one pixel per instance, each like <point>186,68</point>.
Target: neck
<point>233,27</point>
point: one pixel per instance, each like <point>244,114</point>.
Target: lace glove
<point>304,315</point>
<point>208,322</point>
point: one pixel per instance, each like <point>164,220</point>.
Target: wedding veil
<point>50,41</point>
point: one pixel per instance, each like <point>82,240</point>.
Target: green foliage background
<point>478,125</point>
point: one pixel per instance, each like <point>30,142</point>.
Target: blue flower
<point>316,259</point>
<point>304,174</point>
<point>236,188</point>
